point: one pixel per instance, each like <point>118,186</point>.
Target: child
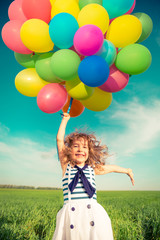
<point>81,157</point>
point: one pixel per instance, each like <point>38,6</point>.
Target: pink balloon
<point>11,37</point>
<point>88,40</point>
<point>116,81</point>
<point>51,98</point>
<point>132,8</point>
<point>40,9</point>
<point>15,11</point>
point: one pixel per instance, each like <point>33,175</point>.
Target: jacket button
<point>92,223</point>
<point>73,209</point>
<point>89,206</point>
<point>71,226</point>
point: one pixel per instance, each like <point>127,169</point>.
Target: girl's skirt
<point>83,220</point>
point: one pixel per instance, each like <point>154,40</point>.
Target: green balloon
<point>147,25</point>
<point>65,63</point>
<point>43,68</point>
<point>83,3</point>
<point>26,60</point>
<point>133,59</point>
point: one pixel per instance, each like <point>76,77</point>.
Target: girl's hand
<point>130,174</point>
<point>65,116</point>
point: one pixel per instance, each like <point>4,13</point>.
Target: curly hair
<point>97,152</point>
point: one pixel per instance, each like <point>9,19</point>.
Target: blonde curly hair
<point>96,152</point>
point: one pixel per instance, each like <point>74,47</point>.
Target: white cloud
<point>20,156</point>
<point>139,127</point>
<point>3,130</point>
<point>29,154</point>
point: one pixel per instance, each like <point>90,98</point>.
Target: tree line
<point>28,187</point>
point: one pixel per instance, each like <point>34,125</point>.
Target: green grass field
<point>31,214</point>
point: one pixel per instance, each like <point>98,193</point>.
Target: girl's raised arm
<point>60,140</point>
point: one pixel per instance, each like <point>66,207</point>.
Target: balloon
<point>76,108</point>
<point>51,98</point>
<point>116,8</point>
<point>35,35</point>
<point>64,64</point>
<point>11,37</point>
<point>133,59</point>
<point>29,83</point>
<point>124,30</point>
<point>147,25</point>
<point>93,71</point>
<point>116,81</point>
<point>108,52</point>
<point>26,60</point>
<point>15,11</point>
<point>43,68</point>
<point>69,6</point>
<point>52,2</point>
<point>94,14</point>
<point>83,3</point>
<point>99,101</point>
<point>62,29</point>
<point>39,9</point>
<point>88,40</point>
<point>73,49</point>
<point>78,90</point>
<point>132,8</point>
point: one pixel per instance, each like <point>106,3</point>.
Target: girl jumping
<point>82,157</point>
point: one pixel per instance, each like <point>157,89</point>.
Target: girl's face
<point>80,151</point>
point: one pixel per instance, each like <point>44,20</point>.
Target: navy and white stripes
<point>79,191</point>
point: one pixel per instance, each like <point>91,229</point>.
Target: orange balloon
<point>76,108</point>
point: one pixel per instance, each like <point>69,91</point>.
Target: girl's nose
<point>79,148</point>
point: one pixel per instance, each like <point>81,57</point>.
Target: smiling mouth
<point>80,155</point>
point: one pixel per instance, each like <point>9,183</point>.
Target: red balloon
<point>15,11</point>
<point>40,9</point>
<point>77,107</point>
<point>116,81</point>
<point>11,37</point>
<point>51,98</point>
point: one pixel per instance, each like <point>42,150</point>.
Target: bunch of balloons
<point>84,49</point>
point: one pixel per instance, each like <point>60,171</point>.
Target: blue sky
<point>130,126</point>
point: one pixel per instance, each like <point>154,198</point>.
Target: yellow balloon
<point>99,101</point>
<point>124,30</point>
<point>29,83</point>
<point>52,2</point>
<point>68,6</point>
<point>94,14</point>
<point>78,90</point>
<point>35,36</point>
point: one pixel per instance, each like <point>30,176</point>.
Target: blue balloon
<point>93,71</point>
<point>116,8</point>
<point>62,29</point>
<point>108,52</point>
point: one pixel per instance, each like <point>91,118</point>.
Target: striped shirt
<point>79,191</point>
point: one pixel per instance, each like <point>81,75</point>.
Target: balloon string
<point>69,108</point>
<point>71,100</point>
